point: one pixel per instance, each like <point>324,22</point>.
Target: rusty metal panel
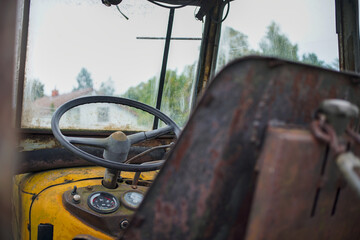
<point>205,188</point>
<point>43,152</point>
<point>300,193</point>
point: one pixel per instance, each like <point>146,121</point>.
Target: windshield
<point>80,48</point>
<point>302,31</point>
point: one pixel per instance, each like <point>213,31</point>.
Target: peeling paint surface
<point>212,165</point>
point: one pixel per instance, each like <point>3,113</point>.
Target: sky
<point>67,35</point>
<point>309,23</point>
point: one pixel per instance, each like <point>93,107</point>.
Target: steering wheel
<point>117,145</point>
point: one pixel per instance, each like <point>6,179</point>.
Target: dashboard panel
<point>43,199</point>
<point>108,210</point>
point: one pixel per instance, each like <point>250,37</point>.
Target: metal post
<point>347,28</point>
<point>20,75</point>
<point>208,51</point>
<point>164,63</point>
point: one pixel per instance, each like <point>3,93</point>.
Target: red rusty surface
<point>300,192</point>
<point>205,188</point>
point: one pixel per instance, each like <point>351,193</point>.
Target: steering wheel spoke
<point>93,142</point>
<point>142,136</point>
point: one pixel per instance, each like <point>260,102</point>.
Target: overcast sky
<point>309,23</point>
<point>66,35</point>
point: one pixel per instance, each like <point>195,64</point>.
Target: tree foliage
<point>84,80</point>
<point>107,88</point>
<point>277,44</point>
<point>37,89</point>
<point>177,93</point>
<point>312,58</point>
<point>234,44</point>
<point>145,92</point>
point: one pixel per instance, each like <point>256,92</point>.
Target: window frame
<point>23,21</point>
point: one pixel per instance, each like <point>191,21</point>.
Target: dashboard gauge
<point>103,202</point>
<point>132,199</point>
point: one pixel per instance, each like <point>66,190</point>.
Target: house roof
<point>56,101</point>
<point>47,104</point>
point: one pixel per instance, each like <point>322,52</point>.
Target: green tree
<point>277,44</point>
<point>84,80</point>
<point>177,94</point>
<point>107,88</point>
<point>312,58</point>
<point>37,89</point>
<point>144,92</point>
<point>176,98</point>
<point>334,64</point>
<point>176,101</point>
<point>234,44</point>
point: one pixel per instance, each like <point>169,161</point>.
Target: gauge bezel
<point>127,205</point>
<point>104,211</point>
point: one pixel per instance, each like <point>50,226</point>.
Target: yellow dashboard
<point>72,201</point>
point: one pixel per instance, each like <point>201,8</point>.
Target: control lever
<point>137,174</point>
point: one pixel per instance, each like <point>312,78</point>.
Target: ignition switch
<point>76,196</point>
<point>124,224</point>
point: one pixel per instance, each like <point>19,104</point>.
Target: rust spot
<point>164,212</point>
<point>275,63</point>
<point>183,149</point>
<point>203,193</point>
<point>208,100</point>
<point>119,136</point>
<point>214,154</point>
<point>137,221</point>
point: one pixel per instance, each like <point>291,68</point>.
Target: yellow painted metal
<point>47,189</point>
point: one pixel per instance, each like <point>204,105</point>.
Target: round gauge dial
<point>132,199</point>
<point>103,202</point>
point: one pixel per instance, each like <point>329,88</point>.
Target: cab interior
<point>178,119</point>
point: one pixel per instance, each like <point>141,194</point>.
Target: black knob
<point>74,191</point>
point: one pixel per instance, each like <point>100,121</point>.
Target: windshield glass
<point>303,31</point>
<point>80,48</point>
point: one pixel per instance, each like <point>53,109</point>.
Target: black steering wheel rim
<point>101,161</point>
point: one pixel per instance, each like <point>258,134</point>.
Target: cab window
<point>302,31</point>
<point>81,48</point>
